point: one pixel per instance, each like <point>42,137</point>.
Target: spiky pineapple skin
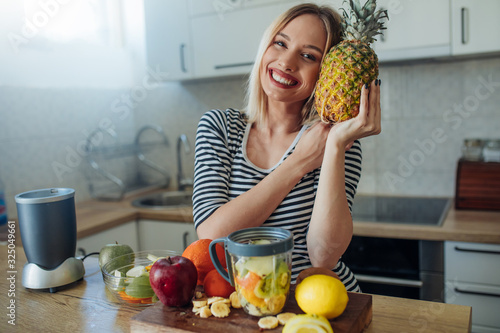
<point>346,68</point>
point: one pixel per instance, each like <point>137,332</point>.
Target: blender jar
<point>259,262</point>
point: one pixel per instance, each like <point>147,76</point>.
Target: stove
<point>403,210</point>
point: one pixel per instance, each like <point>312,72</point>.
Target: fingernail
<point>366,85</point>
<point>376,82</point>
<point>379,82</point>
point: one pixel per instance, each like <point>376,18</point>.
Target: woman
<point>276,164</point>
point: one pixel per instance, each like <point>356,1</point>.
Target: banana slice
<point>212,300</point>
<point>205,312</point>
<point>284,317</point>
<point>235,301</point>
<point>269,322</point>
<point>276,303</point>
<point>220,309</point>
<point>199,303</point>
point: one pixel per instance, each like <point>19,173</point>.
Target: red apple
<point>173,280</point>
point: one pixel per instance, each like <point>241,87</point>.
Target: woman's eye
<point>280,43</point>
<point>309,56</point>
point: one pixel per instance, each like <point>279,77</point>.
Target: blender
<point>259,266</point>
<point>47,223</point>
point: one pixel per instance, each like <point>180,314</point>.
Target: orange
<point>198,253</point>
<point>215,285</point>
<point>247,285</point>
<point>249,281</point>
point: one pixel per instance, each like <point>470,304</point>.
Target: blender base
<point>35,277</point>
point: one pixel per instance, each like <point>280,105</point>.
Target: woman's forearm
<point>253,208</point>
<point>330,230</point>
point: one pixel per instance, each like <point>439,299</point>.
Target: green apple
<point>111,251</point>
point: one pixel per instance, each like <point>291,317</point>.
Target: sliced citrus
<point>307,323</point>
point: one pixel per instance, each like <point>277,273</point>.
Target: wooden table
<point>86,306</point>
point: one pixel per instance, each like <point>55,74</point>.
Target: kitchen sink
<point>167,199</point>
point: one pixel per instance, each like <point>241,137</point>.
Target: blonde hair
<point>256,99</point>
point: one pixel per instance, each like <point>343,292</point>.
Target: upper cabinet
<point>475,25</point>
<point>168,39</point>
<point>226,42</point>
<point>415,29</point>
<point>194,39</point>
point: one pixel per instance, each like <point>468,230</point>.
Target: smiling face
<point>290,65</point>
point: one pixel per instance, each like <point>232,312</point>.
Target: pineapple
<point>349,64</point>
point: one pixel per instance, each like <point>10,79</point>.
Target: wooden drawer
<point>477,185</point>
<point>484,300</point>
<point>472,262</point>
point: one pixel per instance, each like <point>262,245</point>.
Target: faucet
<point>182,182</point>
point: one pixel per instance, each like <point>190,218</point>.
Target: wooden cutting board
<point>159,318</point>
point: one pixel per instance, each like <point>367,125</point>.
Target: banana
<point>235,301</point>
<point>284,317</point>
<point>220,309</point>
<point>276,303</point>
<point>205,312</point>
<point>283,281</point>
<point>198,303</point>
<point>269,322</point>
<point>214,299</point>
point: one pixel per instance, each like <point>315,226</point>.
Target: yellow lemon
<point>307,323</point>
<point>322,295</point>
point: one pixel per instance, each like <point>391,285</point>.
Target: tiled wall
<point>428,109</point>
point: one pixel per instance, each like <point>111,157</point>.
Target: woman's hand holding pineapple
<point>366,123</point>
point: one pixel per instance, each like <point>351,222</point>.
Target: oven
<point>397,267</point>
<point>408,268</point>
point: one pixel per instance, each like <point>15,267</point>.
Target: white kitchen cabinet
<point>165,235</point>
<point>168,39</point>
<point>221,7</point>
<point>415,29</point>
<point>475,26</point>
<point>228,45</point>
<point>472,274</point>
<point>124,234</point>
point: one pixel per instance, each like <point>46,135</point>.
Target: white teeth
<point>282,80</point>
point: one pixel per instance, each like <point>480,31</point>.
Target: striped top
<point>223,172</point>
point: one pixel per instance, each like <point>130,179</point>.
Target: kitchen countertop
<point>459,225</point>
<point>87,306</point>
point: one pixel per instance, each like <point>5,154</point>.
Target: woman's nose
<point>287,62</point>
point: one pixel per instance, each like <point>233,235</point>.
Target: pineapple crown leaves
<point>363,23</point>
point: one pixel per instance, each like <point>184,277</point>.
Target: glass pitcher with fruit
<point>259,262</point>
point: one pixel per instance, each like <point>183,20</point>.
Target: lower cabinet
<point>124,234</point>
<point>165,235</point>
<point>472,274</point>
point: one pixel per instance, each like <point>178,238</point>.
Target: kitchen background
<point>53,95</point>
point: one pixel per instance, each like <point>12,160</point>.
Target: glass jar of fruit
<point>259,262</point>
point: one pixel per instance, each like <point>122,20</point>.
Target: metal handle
<point>461,249</point>
<point>389,281</point>
<point>241,64</point>
<point>185,239</point>
<point>215,259</point>
<point>465,25</point>
<point>183,62</point>
<point>481,293</point>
